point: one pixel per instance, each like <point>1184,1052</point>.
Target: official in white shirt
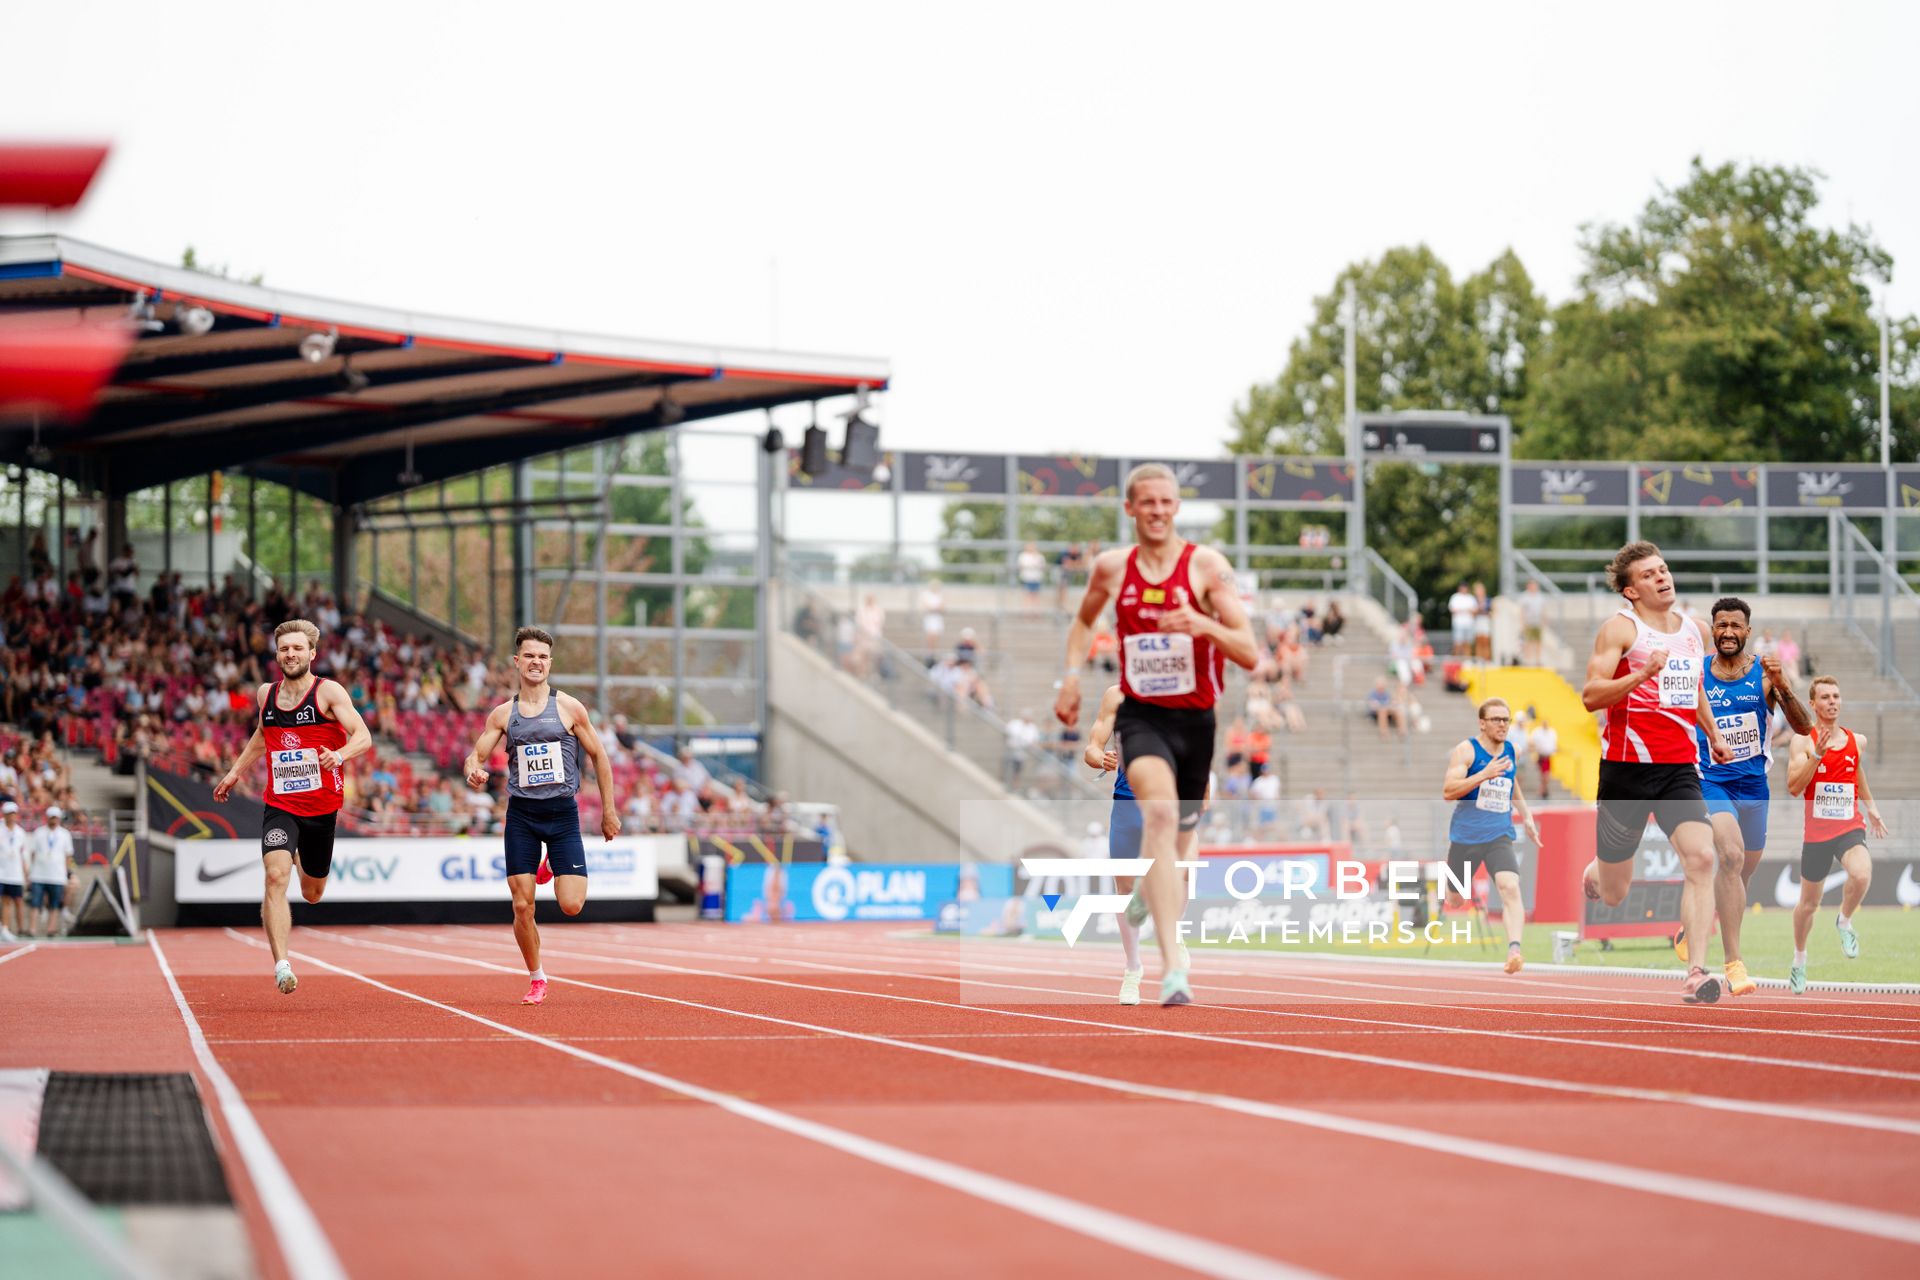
<point>13,873</point>
<point>50,863</point>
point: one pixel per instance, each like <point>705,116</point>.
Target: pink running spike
<point>544,874</point>
<point>536,992</point>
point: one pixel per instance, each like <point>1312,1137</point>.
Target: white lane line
<point>303,1245</point>
<point>1724,1197</point>
<point>29,949</point>
<point>1176,1248</point>
<point>1258,1011</point>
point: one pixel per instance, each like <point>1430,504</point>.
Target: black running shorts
<point>311,839</point>
<point>1182,736</point>
<point>1632,793</point>
<point>1495,855</point>
<point>1817,858</point>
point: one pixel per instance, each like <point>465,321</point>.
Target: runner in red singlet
<point>308,730</point>
<point>1646,673</point>
<point>1829,768</point>
<point>1180,617</point>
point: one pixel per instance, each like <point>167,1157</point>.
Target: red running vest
<point>1831,806</point>
<point>1164,669</point>
<point>295,739</point>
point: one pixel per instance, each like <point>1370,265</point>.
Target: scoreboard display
<point>1651,910</point>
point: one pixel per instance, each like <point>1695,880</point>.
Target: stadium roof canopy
<point>465,394</point>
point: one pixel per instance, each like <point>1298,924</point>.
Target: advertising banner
<point>457,869</point>
<point>954,473</point>
<point>1303,480</point>
<point>1207,481</point>
<point>1896,883</point>
<point>1699,484</point>
<point>1554,485</point>
<point>1849,488</point>
<point>763,893</point>
<point>1070,476</point>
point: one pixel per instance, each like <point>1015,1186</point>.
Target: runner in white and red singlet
<point>1179,619</point>
<point>1646,673</point>
<point>308,730</point>
<point>1829,768</point>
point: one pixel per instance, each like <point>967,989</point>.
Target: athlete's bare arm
<point>1703,716</point>
<point>1227,627</point>
<point>573,718</point>
<point>1097,756</point>
<point>1602,689</point>
<point>1874,823</point>
<point>1102,582</point>
<point>1780,694</point>
<point>490,735</point>
<point>1526,815</point>
<point>334,701</point>
<point>1458,781</point>
<point>1807,750</point>
<point>250,754</point>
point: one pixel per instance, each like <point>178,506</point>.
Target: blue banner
<point>860,890</point>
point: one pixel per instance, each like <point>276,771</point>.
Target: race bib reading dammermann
<point>1742,734</point>
<point>1680,683</point>
<point>1833,801</point>
<point>542,764</point>
<point>1160,664</point>
<point>295,772</point>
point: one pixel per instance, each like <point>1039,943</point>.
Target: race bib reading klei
<point>1833,801</point>
<point>1680,683</point>
<point>1496,795</point>
<point>1160,664</point>
<point>295,772</point>
<point>542,764</point>
<point>1742,734</point>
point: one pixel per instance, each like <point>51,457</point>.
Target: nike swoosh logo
<point>204,878</point>
<point>1786,890</point>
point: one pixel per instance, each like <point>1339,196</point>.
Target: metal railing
<point>1047,777</point>
<point>1862,569</point>
<point>1393,588</point>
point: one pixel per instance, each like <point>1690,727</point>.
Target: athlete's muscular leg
<point>1151,779</point>
<point>311,887</point>
<point>1804,911</point>
<point>1612,880</point>
<point>1859,879</point>
<point>1693,841</point>
<point>1513,907</point>
<point>571,893</point>
<point>275,917</point>
<point>1729,883</point>
<point>525,932</point>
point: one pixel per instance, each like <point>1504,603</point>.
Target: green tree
<point>1722,323</point>
<point>1423,341</point>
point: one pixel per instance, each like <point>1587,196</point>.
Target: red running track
<point>705,1100</point>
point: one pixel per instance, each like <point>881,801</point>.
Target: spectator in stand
<point>1031,568</point>
<point>1545,742</point>
<point>870,626</point>
<point>50,866</point>
<point>1070,563</point>
<point>1461,608</point>
<point>967,648</point>
<point>1788,652</point>
<point>1315,817</point>
<point>679,806</point>
<point>1265,793</point>
<point>1285,710</point>
<point>1259,751</point>
<point>1104,652</point>
<point>1023,735</point>
<point>1385,710</point>
<point>691,773</point>
<point>933,616</point>
<point>14,873</point>
<point>1330,625</point>
<point>1533,623</point>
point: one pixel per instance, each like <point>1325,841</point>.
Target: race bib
<point>1742,733</point>
<point>1833,801</point>
<point>1496,795</point>
<point>542,764</point>
<point>1160,664</point>
<point>1680,683</point>
<point>295,772</point>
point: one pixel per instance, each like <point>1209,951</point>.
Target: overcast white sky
<point>1082,227</point>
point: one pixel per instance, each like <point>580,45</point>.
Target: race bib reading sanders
<point>1160,664</point>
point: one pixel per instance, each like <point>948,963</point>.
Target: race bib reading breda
<point>1680,683</point>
